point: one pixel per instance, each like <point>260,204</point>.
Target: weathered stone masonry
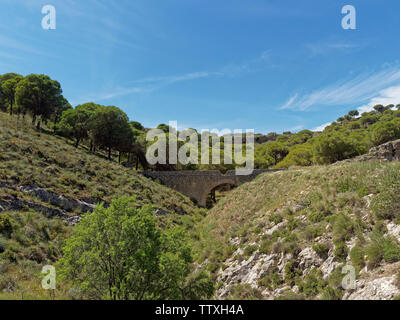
<point>198,184</point>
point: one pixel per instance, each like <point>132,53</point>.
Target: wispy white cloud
<point>321,127</point>
<point>166,80</point>
<point>356,90</point>
<point>261,62</point>
<point>7,43</point>
<point>150,84</point>
<point>385,97</point>
<point>289,103</point>
<point>326,47</point>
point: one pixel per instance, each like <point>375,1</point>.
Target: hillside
<point>287,235</point>
<point>45,185</point>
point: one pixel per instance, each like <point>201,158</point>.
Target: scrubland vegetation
<point>149,242</point>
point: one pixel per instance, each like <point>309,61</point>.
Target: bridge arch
<point>198,184</point>
<point>202,201</point>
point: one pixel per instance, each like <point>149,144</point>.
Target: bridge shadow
<point>197,185</point>
<point>218,193</point>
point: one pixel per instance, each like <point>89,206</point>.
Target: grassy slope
<point>29,240</point>
<point>331,202</point>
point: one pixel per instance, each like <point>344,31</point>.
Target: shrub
<point>275,218</point>
<point>245,292</point>
<point>333,146</point>
<point>270,279</point>
<point>391,250</point>
<point>381,247</point>
<point>6,227</point>
<point>357,257</point>
<point>312,283</point>
<point>111,248</point>
<point>250,250</point>
<point>330,293</point>
<point>343,228</point>
<point>382,132</point>
<point>291,273</point>
<point>374,254</point>
<point>341,250</point>
<point>321,249</point>
<point>386,204</point>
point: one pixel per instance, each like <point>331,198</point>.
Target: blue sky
<point>271,65</point>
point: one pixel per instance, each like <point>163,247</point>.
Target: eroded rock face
<point>393,230</point>
<point>389,151</point>
<point>244,272</point>
<point>374,284</point>
<point>58,200</point>
<point>308,258</point>
<point>384,288</point>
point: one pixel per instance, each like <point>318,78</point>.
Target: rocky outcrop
<point>60,201</point>
<point>62,205</point>
<point>383,288</point>
<point>14,204</point>
<point>388,151</point>
<point>244,272</point>
<point>309,258</point>
<point>259,269</point>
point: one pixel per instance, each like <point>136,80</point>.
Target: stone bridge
<point>198,184</point>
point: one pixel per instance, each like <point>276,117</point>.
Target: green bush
<point>312,284</point>
<point>275,218</point>
<point>343,228</point>
<point>374,254</point>
<point>357,257</point>
<point>386,204</point>
<point>250,250</point>
<point>270,279</point>
<point>6,227</point>
<point>321,249</point>
<point>341,250</point>
<point>291,273</point>
<point>112,248</point>
<point>391,250</point>
<point>381,247</point>
<point>330,293</point>
<point>244,292</point>
<point>334,146</point>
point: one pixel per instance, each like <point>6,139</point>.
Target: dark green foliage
<point>271,279</point>
<point>38,95</point>
<point>250,250</point>
<point>382,247</point>
<point>321,249</point>
<point>120,253</point>
<point>382,132</point>
<point>334,146</point>
<point>357,257</point>
<point>291,272</point>
<point>330,293</point>
<point>312,284</point>
<point>386,204</point>
<point>244,292</point>
<point>341,250</point>
<point>275,218</point>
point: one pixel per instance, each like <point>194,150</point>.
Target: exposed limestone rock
<point>393,230</point>
<point>388,151</point>
<point>276,227</point>
<point>329,266</point>
<point>57,200</point>
<point>376,289</point>
<point>308,258</point>
<point>244,272</point>
<point>9,203</point>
